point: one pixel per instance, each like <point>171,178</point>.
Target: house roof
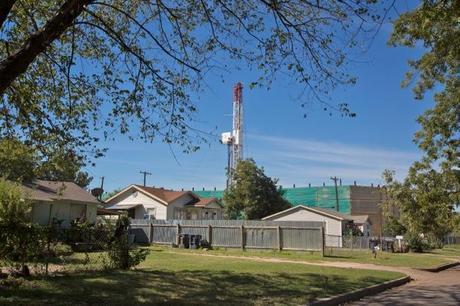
<point>49,191</point>
<point>361,219</point>
<point>322,211</point>
<point>162,195</point>
<point>203,202</point>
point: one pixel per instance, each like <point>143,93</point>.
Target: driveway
<point>428,288</point>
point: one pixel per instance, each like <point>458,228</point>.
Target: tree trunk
<point>16,64</point>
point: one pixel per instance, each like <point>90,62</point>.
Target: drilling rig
<point>234,139</point>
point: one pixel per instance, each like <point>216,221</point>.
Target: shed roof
<point>361,219</point>
<point>322,211</point>
<point>41,190</point>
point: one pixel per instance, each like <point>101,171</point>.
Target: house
<point>363,223</point>
<point>335,224</point>
<point>143,202</point>
<point>61,201</point>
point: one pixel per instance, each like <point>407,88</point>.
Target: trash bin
<point>184,241</point>
<point>195,241</point>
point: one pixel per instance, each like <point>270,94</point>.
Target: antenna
<point>145,173</point>
<point>234,139</point>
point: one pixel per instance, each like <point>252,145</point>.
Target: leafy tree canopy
<point>74,72</point>
<point>19,162</point>
<point>253,195</point>
<point>393,227</point>
<point>432,187</point>
<point>14,209</point>
<point>424,204</point>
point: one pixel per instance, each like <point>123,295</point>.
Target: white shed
<point>335,223</point>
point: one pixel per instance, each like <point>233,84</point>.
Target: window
<point>150,214</point>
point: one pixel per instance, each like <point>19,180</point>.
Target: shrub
<point>416,243</point>
<point>121,254</point>
<point>17,242</point>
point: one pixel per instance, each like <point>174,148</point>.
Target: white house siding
<point>145,202</point>
<point>333,226</point>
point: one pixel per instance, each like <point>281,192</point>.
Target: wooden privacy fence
<point>280,237</point>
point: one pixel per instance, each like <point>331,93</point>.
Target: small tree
<point>17,245</point>
<point>121,254</point>
<point>424,205</point>
<point>253,195</point>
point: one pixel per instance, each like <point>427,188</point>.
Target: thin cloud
<point>293,159</point>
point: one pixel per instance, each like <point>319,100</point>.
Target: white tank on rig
<point>234,139</point>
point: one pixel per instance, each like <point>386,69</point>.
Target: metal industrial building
<point>352,199</point>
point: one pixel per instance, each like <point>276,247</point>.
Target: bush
<point>121,254</point>
<point>18,244</point>
<point>417,243</point>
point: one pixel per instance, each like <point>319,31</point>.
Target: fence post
<point>209,234</point>
<point>151,233</point>
<point>178,234</point>
<point>280,243</point>
<point>323,241</point>
<point>242,237</point>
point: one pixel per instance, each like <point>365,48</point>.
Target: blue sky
<point>295,149</point>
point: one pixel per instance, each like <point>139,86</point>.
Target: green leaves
<point>432,187</point>
<point>20,162</point>
<point>128,67</point>
<point>253,194</point>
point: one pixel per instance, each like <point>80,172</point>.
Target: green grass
<point>449,250</point>
<point>171,278</point>
<point>410,260</point>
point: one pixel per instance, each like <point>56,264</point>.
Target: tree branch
<point>16,64</point>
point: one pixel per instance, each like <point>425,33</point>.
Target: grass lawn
<point>411,260</point>
<point>170,278</point>
<point>449,250</point>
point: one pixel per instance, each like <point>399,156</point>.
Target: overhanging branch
<point>17,63</point>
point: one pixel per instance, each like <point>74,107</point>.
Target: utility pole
<point>102,182</point>
<point>335,179</point>
<point>145,173</point>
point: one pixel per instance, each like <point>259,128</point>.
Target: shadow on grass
<point>338,256</point>
<point>200,287</point>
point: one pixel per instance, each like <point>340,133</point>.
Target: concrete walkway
<point>427,288</point>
